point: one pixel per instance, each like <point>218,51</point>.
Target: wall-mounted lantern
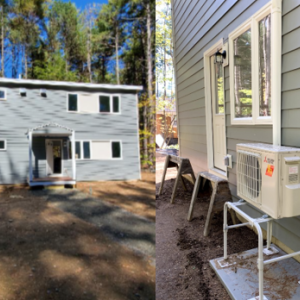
<point>219,57</point>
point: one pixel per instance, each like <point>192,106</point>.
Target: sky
<point>82,3</point>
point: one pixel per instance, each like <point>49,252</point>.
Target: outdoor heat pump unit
<point>268,177</point>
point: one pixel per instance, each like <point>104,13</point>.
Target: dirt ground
<point>182,252</point>
<point>136,196</point>
<point>46,253</point>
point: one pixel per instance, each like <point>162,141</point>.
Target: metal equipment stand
<point>254,223</point>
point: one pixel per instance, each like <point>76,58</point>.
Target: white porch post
<point>73,155</point>
<point>30,155</point>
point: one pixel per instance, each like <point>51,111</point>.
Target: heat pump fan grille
<point>249,176</point>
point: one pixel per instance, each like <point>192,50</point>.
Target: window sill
<point>251,121</point>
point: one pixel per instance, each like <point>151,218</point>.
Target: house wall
<point>17,114</point>
<point>198,25</point>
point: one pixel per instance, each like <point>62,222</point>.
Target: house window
<point>86,150</point>
<point>77,150</point>
<point>116,149</point>
<point>104,103</point>
<point>2,145</point>
<point>72,102</point>
<point>116,103</point>
<point>2,94</point>
<point>250,71</point>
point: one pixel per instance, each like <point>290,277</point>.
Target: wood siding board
<point>291,41</point>
<point>194,19</point>
<point>194,78</point>
<point>291,61</point>
<point>198,95</point>
<point>238,14</point>
<point>199,147</point>
<point>193,121</point>
<point>191,89</point>
<point>254,134</point>
<point>194,70</point>
<point>203,25</point>
<point>179,8</point>
<point>290,137</point>
<point>290,118</point>
<point>187,129</point>
<point>186,18</point>
<point>291,21</point>
<point>198,103</point>
<point>290,80</point>
<point>289,5</point>
<point>290,99</point>
<point>200,112</point>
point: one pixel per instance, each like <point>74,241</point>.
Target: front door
<point>218,112</point>
<point>54,157</point>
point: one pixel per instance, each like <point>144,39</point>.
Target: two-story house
<point>57,133</point>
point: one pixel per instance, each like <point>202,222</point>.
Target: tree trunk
<point>117,54</point>
<point>25,62</point>
<point>2,43</point>
<point>150,81</point>
<point>89,55</point>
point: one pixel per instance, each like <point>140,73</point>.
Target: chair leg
<point>209,213</point>
<point>164,174</point>
<point>194,197</point>
<point>176,184</point>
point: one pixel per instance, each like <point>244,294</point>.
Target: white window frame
<point>5,94</point>
<point>273,8</point>
<point>5,144</point>
<point>67,104</point>
<point>111,103</point>
<point>91,150</point>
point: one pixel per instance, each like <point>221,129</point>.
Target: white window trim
<point>97,111</point>
<point>111,104</point>
<point>208,110</point>
<point>67,104</point>
<point>5,94</point>
<point>91,150</point>
<point>5,145</point>
<point>273,8</point>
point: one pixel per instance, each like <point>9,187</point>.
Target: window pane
<point>70,150</point>
<point>86,150</point>
<point>242,75</point>
<point>116,104</point>
<point>219,86</point>
<point>265,67</point>
<point>104,104</point>
<point>2,94</point>
<point>116,150</point>
<point>2,145</point>
<point>77,150</point>
<point>73,102</point>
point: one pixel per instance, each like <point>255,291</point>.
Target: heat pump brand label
<point>293,170</point>
<point>270,170</point>
<point>269,160</point>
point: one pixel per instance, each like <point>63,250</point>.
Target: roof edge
<point>71,84</point>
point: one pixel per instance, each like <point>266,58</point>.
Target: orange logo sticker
<point>270,170</point>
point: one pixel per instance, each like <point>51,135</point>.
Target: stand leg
<point>225,230</point>
<point>164,174</point>
<point>211,205</point>
<point>269,233</point>
<point>194,197</point>
<point>260,262</point>
<point>176,184</point>
<point>182,182</point>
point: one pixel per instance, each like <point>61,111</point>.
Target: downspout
<point>276,71</point>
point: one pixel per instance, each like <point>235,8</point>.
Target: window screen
<point>242,75</point>
<point>116,103</point>
<point>104,103</point>
<point>86,150</point>
<point>264,27</point>
<point>116,149</point>
<point>73,102</point>
<point>2,145</point>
